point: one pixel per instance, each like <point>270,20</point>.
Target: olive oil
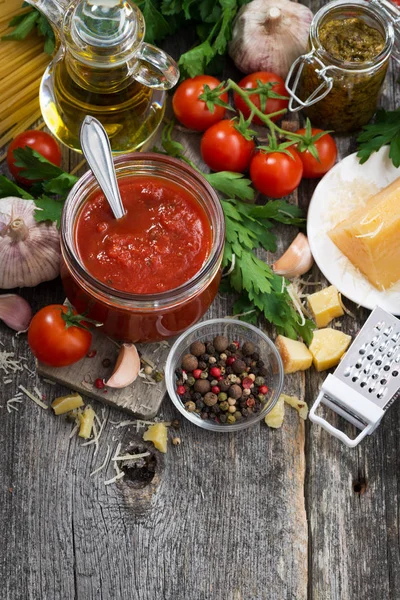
<point>130,113</point>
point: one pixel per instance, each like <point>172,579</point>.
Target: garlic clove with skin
<point>30,251</point>
<point>268,35</point>
<point>127,367</point>
<point>15,312</point>
<point>297,259</point>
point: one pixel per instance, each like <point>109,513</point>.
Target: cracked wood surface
<point>290,514</point>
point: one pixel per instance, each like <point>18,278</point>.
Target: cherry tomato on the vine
<point>272,104</point>
<point>327,153</point>
<point>224,148</point>
<point>56,338</point>
<point>275,174</point>
<point>40,141</point>
<point>192,112</point>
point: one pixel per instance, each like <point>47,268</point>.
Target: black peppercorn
<point>204,358</point>
<point>202,365</point>
<point>238,366</point>
<point>228,370</point>
<point>197,348</point>
<point>196,396</point>
<point>210,349</point>
<point>204,415</point>
<point>222,418</point>
<point>260,363</point>
<point>178,372</point>
<point>232,348</point>
<point>263,371</point>
<point>255,356</point>
<point>200,404</point>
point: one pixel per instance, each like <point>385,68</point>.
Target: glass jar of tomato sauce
<point>338,82</point>
<point>132,316</point>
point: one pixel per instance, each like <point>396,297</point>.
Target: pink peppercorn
<point>99,383</point>
<point>250,402</point>
<point>263,389</point>
<point>220,378</point>
<point>230,360</point>
<point>197,373</point>
<point>247,383</point>
<point>181,390</point>
<point>215,372</point>
<point>215,389</point>
<point>91,354</point>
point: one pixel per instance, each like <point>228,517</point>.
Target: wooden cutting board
<point>142,399</point>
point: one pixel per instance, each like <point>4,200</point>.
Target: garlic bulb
<point>297,259</point>
<point>15,312</point>
<point>30,251</point>
<point>268,35</point>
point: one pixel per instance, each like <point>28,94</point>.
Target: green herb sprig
<point>48,192</point>
<point>248,227</point>
<point>28,22</point>
<point>384,131</point>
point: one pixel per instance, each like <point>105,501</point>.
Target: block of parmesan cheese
<point>370,235</point>
<point>295,355</point>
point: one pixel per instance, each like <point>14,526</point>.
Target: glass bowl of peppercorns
<point>224,374</point>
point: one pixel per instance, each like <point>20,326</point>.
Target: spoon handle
<point>96,149</point>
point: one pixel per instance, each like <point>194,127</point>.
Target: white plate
<point>345,187</point>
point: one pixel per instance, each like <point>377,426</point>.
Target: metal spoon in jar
<point>96,149</point>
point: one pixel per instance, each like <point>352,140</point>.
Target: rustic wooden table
<point>255,515</point>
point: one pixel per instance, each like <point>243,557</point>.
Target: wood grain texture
<point>289,514</point>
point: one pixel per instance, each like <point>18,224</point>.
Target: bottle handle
<point>155,68</point>
<point>319,93</point>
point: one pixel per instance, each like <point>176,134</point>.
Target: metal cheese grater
<point>367,381</point>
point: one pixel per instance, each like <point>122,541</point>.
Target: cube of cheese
<point>275,417</point>
<point>369,237</point>
<point>325,305</point>
<point>327,347</point>
<point>295,355</point>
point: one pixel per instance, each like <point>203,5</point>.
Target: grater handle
<point>351,443</point>
<point>335,389</point>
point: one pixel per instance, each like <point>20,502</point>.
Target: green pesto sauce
<point>351,40</point>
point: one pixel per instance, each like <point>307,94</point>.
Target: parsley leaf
<point>385,130</point>
<point>26,23</point>
<point>157,28</point>
<point>233,185</point>
<point>34,166</point>
<point>48,209</point>
<point>9,188</point>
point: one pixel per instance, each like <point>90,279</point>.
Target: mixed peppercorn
<point>222,380</point>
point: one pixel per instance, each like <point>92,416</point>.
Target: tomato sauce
<point>161,243</point>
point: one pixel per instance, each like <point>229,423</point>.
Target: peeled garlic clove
<point>15,312</point>
<point>268,35</point>
<point>297,259</point>
<point>127,367</point>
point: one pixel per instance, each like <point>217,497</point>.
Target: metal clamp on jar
<point>337,89</point>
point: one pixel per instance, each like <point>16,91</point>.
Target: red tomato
<point>224,148</point>
<point>272,105</point>
<point>327,152</point>
<point>275,174</point>
<point>192,112</point>
<point>40,141</point>
<point>52,342</point>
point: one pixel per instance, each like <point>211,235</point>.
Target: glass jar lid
<point>392,13</point>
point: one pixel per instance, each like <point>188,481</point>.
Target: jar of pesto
<point>338,81</point>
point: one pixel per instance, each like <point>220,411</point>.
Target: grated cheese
<point>114,479</point>
<point>131,456</point>
<point>103,464</point>
<point>9,364</point>
<point>32,397</point>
